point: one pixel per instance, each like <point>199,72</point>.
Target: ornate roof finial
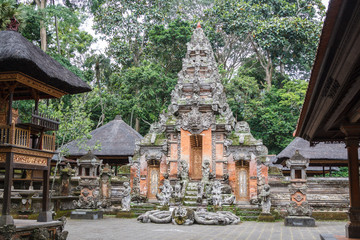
<point>198,25</point>
<point>13,25</point>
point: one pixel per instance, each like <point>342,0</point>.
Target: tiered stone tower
<point>198,134</point>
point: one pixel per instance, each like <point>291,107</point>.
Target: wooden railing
<point>48,142</point>
<point>44,121</point>
<point>21,137</point>
<point>4,134</point>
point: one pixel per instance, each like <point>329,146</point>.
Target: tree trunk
<point>41,4</point>
<point>57,32</point>
<point>137,125</point>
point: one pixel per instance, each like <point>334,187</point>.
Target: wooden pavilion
<point>331,111</point>
<point>324,157</point>
<point>116,141</point>
<point>27,73</point>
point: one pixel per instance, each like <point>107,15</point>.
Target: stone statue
<point>166,192</point>
<point>184,171</point>
<point>155,216</point>
<point>265,199</point>
<point>215,218</point>
<point>200,192</point>
<point>206,170</point>
<point>183,175</point>
<point>216,194</point>
<point>183,216</point>
<point>126,197</point>
<point>229,200</point>
<point>177,192</point>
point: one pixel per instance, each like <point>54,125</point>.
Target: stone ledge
<point>299,221</point>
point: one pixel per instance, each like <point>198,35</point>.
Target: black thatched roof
<point>116,139</point>
<point>326,151</point>
<point>18,54</point>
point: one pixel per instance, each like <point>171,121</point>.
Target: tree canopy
<point>264,50</point>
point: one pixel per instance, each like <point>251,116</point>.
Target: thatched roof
<point>116,139</point>
<point>18,54</point>
<point>325,151</point>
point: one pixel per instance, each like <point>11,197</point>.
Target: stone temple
<point>198,139</point>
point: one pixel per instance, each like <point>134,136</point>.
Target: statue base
<point>299,221</point>
<point>91,214</point>
<point>266,217</point>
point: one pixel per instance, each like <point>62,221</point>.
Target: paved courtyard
<point>115,228</point>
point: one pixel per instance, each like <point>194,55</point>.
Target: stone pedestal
<point>45,216</point>
<point>86,214</point>
<point>6,220</point>
<point>299,221</point>
<point>266,217</point>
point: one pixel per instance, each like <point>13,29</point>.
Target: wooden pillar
<point>11,98</point>
<point>46,215</point>
<point>6,218</point>
<point>352,133</point>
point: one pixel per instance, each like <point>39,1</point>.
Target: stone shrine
<point>197,139</point>
<point>90,199</point>
<point>299,210</point>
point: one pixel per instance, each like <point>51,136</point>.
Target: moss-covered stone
<point>263,217</point>
<point>160,139</point>
<point>330,215</point>
<point>129,214</point>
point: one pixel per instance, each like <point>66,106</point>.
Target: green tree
<point>167,44</point>
<point>10,9</point>
<point>273,115</point>
<point>143,91</point>
<point>282,34</point>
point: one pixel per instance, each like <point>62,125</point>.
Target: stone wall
<point>323,193</point>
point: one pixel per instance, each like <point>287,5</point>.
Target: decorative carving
<point>216,194</point>
<point>206,171</point>
<point>185,216</point>
<point>195,121</point>
<point>2,157</point>
<point>32,82</point>
<point>7,231</point>
<point>177,195</point>
<point>30,160</point>
<point>40,234</point>
<point>166,192</point>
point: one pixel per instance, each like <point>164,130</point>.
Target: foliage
<point>343,172</point>
<point>282,33</point>
<point>144,91</point>
<point>274,115</point>
<point>168,44</point>
<point>10,9</point>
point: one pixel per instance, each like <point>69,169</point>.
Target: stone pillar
<point>352,133</point>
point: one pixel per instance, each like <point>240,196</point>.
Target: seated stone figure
<point>166,192</point>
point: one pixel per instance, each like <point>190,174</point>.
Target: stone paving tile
<point>115,228</point>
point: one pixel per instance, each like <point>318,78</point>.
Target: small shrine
<point>197,139</point>
<point>299,210</point>
<point>93,195</point>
